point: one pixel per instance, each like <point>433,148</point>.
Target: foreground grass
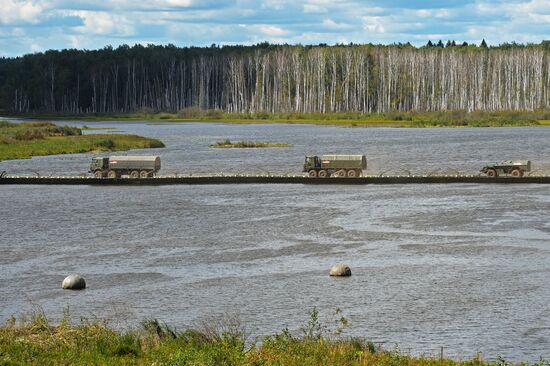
<point>36,342</point>
<point>227,144</point>
<point>19,141</point>
<point>348,119</point>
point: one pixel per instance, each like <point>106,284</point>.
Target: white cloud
<point>331,24</point>
<point>313,8</point>
<point>540,18</point>
<point>35,47</point>
<point>374,24</point>
<point>178,3</point>
<point>270,30</point>
<point>126,5</point>
<point>75,41</point>
<point>276,4</point>
<point>530,6</point>
<point>17,11</point>
<point>434,13</point>
<point>102,23</point>
<point>18,32</point>
<point>535,10</point>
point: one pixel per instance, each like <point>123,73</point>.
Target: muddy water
<point>464,267</point>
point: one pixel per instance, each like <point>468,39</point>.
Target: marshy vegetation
<point>458,118</point>
<point>34,341</point>
<point>25,140</point>
<point>88,128</point>
<point>228,144</point>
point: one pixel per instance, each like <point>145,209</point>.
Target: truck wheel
<point>351,173</point>
<point>134,174</point>
<point>492,173</point>
<point>144,174</point>
<point>341,173</point>
<point>312,174</point>
<point>98,174</point>
<point>322,174</point>
<point>111,174</point>
<point>517,172</point>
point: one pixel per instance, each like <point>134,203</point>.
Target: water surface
<point>459,266</point>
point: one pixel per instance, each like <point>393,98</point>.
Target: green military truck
<point>335,166</point>
<point>515,168</point>
<point>116,166</point>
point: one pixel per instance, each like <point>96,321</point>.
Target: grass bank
<point>35,341</point>
<point>227,144</point>
<point>348,119</point>
<point>25,140</point>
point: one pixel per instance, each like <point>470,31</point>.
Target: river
<point>459,266</point>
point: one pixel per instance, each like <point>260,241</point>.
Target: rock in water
<point>73,282</point>
<point>340,270</point>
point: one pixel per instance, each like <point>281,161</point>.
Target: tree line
<point>279,78</point>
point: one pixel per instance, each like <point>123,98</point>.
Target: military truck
<point>335,166</point>
<point>515,168</point>
<point>116,166</point>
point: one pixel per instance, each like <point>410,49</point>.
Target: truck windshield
<point>96,162</point>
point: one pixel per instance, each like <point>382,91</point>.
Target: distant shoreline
<point>351,119</point>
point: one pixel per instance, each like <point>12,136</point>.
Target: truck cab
<point>312,162</point>
<point>99,164</point>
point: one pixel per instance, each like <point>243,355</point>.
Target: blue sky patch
<point>38,25</point>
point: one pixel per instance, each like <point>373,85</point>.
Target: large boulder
<point>73,282</point>
<point>340,270</point>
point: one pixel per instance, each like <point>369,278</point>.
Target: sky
<point>39,25</point>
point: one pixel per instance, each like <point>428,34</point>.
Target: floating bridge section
<point>269,179</point>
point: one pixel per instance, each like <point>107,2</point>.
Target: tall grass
<point>35,341</point>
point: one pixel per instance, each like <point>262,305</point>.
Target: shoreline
<point>448,119</point>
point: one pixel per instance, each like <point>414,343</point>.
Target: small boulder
<point>73,282</point>
<point>340,270</point>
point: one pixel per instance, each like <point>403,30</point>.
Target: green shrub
<point>214,113</point>
<point>261,115</point>
<point>146,111</point>
<point>127,345</point>
<point>190,112</point>
<point>164,116</point>
<point>6,139</point>
<point>29,134</point>
<point>155,329</point>
<point>36,124</point>
<point>106,144</point>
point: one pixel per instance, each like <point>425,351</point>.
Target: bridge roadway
<point>268,179</point>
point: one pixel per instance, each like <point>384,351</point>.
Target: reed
<point>33,340</point>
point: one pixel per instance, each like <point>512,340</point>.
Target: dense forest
<point>279,78</point>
